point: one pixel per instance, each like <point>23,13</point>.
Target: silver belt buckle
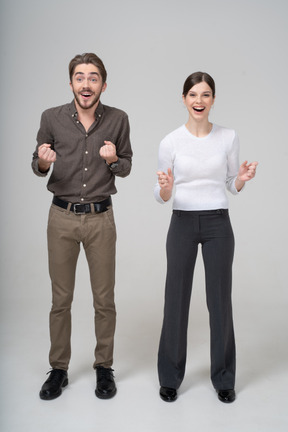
<point>78,212</point>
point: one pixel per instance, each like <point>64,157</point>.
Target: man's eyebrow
<point>90,73</point>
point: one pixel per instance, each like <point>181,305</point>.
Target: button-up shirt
<point>79,173</point>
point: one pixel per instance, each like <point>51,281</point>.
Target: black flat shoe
<point>105,388</point>
<point>52,387</point>
<point>168,394</point>
<point>226,396</point>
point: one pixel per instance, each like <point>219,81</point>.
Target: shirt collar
<point>98,112</point>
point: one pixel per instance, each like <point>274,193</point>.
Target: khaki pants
<point>97,233</point>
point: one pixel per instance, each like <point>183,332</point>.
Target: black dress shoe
<point>105,388</point>
<point>226,396</point>
<point>52,387</point>
<point>168,394</point>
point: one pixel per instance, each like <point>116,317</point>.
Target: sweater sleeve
<point>165,161</point>
<point>233,165</point>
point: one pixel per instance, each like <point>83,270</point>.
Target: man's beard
<point>91,104</point>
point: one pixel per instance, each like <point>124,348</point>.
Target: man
<point>88,144</point>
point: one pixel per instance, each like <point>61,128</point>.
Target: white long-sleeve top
<point>203,168</point>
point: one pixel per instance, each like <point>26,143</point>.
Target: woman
<point>201,160</point>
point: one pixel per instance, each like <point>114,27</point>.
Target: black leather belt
<point>201,212</point>
<point>80,209</point>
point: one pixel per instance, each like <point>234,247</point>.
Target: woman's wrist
<point>239,183</point>
<point>165,194</point>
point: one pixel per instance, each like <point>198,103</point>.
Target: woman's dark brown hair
<point>196,78</point>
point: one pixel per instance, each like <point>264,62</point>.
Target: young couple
<point>88,145</point>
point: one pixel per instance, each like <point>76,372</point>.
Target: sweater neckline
<point>199,138</point>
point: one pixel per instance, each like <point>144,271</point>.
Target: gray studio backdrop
<point>149,48</point>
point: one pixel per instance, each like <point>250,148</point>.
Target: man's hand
<point>108,152</point>
<point>46,157</point>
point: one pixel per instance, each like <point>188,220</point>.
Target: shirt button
<point>84,185</point>
<point>86,169</point>
<point>86,152</point>
<point>86,135</point>
<point>82,199</point>
<point>77,122</point>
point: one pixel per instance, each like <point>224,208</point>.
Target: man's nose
<point>85,82</point>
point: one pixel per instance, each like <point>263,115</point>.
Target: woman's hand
<point>166,182</point>
<point>246,173</point>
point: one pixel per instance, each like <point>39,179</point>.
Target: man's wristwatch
<point>113,164</point>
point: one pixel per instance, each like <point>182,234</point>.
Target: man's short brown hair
<point>87,58</point>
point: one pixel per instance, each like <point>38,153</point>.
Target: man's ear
<point>104,87</point>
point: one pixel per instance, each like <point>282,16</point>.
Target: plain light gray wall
<point>149,48</point>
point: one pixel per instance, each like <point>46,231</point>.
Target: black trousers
<point>212,229</point>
